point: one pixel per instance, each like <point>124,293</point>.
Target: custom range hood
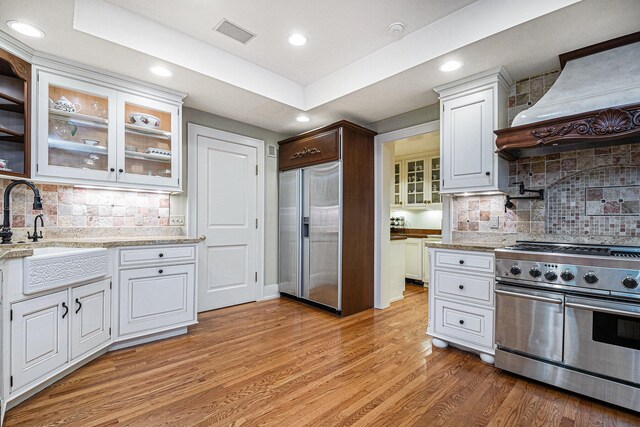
<point>594,102</point>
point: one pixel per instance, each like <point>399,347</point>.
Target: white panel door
<point>90,317</point>
<point>413,259</point>
<point>467,142</point>
<point>39,337</point>
<point>156,298</point>
<point>227,217</point>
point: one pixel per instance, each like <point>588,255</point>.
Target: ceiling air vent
<point>232,30</point>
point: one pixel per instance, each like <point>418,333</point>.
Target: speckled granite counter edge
<point>21,250</point>
<point>463,246</point>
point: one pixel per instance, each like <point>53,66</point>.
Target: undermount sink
<point>56,267</point>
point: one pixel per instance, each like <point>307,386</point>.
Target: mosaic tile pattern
<point>573,181</point>
<point>526,92</point>
<point>66,206</point>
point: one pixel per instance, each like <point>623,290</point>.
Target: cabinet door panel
<point>90,317</point>
<point>149,149</point>
<point>156,298</point>
<point>76,129</point>
<point>467,137</point>
<point>38,337</point>
<point>413,259</point>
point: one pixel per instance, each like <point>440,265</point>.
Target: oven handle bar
<point>531,297</point>
<point>602,309</point>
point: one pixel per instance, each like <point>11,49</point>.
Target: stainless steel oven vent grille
<point>626,254</point>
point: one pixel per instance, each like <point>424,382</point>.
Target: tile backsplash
<point>524,93</point>
<point>67,206</point>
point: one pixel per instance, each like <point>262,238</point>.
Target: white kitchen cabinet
<point>416,182</point>
<point>105,134</point>
<point>425,263</point>
<point>90,317</point>
<point>461,304</point>
<point>154,299</point>
<point>471,110</point>
<point>39,337</point>
<point>413,258</point>
<point>397,186</point>
<point>397,269</point>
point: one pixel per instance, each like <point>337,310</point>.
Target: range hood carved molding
<point>610,126</point>
<point>606,124</point>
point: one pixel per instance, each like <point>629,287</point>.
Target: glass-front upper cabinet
<point>434,171</point>
<point>151,141</point>
<point>396,185</point>
<point>76,133</point>
<point>416,189</point>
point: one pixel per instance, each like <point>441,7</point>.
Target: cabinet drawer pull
<point>161,255</point>
<point>112,169</point>
<point>160,271</point>
<point>79,305</point>
<point>487,173</point>
<point>461,261</point>
<point>461,322</point>
<point>66,310</point>
<point>460,287</point>
<point>120,170</point>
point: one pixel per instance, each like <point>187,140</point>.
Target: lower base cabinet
<point>155,298</point>
<point>49,331</point>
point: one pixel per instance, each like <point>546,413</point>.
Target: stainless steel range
<point>569,315</point>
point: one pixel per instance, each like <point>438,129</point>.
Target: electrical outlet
<point>139,220</point>
<point>176,220</point>
<point>494,222</point>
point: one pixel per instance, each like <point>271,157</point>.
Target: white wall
<point>431,219</point>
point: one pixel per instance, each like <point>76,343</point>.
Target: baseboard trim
<point>271,292</point>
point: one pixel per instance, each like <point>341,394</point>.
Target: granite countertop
<point>467,246</point>
<point>21,250</point>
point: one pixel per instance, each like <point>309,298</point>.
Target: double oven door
<point>595,335</point>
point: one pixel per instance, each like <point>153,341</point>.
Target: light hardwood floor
<point>281,363</point>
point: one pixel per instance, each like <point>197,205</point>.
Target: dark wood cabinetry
<point>15,121</point>
<point>353,145</point>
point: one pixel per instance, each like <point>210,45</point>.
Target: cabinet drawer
<point>156,298</point>
<point>464,322</point>
<point>464,287</point>
<point>157,255</point>
<point>465,260</point>
<point>312,150</point>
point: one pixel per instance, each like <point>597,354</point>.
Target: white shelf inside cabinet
<point>141,130</point>
<point>147,156</point>
<point>78,118</point>
<point>76,146</point>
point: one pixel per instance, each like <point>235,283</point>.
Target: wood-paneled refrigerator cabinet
<point>326,217</point>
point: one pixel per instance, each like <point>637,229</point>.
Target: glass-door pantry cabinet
<point>96,133</point>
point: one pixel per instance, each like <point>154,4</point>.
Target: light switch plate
<point>176,220</point>
<point>494,222</point>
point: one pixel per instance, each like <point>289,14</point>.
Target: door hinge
<point>256,169</point>
<point>256,222</point>
<point>37,167</point>
<point>11,315</point>
<point>178,181</point>
<point>256,275</point>
<point>442,107</point>
<point>109,331</point>
<point>111,284</point>
<point>11,381</point>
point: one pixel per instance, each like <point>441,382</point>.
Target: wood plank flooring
<point>281,363</point>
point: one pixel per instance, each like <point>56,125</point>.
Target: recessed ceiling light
<point>302,118</point>
<point>450,66</point>
<point>396,28</point>
<point>297,39</point>
<point>160,71</point>
<point>26,29</point>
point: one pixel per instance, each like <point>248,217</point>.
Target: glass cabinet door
<point>76,133</point>
<point>434,171</point>
<point>396,185</point>
<point>416,190</point>
<point>150,141</point>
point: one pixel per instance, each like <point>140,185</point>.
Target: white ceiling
<point>417,144</point>
<point>350,69</point>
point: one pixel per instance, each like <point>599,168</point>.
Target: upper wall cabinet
<point>472,109</point>
<point>15,90</point>
<point>92,132</point>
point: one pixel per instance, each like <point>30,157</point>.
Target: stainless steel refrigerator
<point>310,234</point>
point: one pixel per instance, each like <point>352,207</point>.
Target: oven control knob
<point>550,276</point>
<point>567,276</point>
<point>590,278</point>
<point>534,272</point>
<point>630,283</point>
<point>515,270</point>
